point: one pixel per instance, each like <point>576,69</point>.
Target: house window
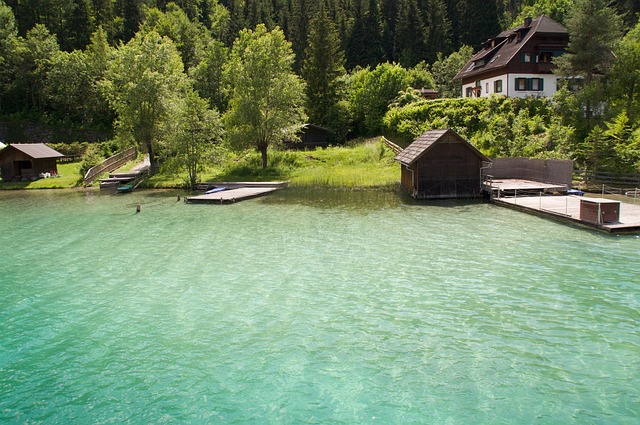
<point>469,92</point>
<point>545,57</point>
<point>536,84</point>
<point>497,86</point>
<point>487,87</point>
<point>526,57</point>
<point>529,84</point>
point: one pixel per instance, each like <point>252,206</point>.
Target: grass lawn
<point>68,177</point>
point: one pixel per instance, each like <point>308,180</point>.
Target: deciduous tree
<point>266,104</point>
<point>145,77</point>
<point>194,129</point>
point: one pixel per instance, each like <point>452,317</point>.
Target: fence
<point>554,171</point>
<point>395,148</point>
<point>611,182</point>
<point>112,163</point>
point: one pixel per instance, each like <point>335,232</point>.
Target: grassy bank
<point>366,164</point>
<point>361,165</point>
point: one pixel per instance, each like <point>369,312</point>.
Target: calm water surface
<point>331,307</point>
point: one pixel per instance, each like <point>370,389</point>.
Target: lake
<point>318,306</point>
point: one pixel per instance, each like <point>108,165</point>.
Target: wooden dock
<point>515,186</point>
<point>568,209</point>
<point>234,192</point>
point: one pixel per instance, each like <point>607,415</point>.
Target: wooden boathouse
<point>28,161</point>
<point>441,164</point>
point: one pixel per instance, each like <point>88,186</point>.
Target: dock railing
<point>112,163</point>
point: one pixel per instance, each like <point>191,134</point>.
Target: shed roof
<point>36,150</point>
<point>501,49</point>
<point>428,139</point>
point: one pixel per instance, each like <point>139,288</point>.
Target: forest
<point>178,78</point>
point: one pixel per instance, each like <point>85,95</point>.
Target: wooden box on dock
<point>599,210</point>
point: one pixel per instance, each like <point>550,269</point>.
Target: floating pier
<point>228,193</point>
<point>597,213</point>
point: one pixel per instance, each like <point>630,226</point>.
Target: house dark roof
<point>36,150</point>
<point>500,50</point>
<point>423,143</point>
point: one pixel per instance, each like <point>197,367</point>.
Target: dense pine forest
<point>166,75</point>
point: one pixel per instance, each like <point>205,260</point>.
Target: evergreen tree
<point>438,30</point>
<point>76,33</point>
<point>237,18</point>
<point>389,12</point>
<point>8,39</point>
<point>130,14</point>
<point>299,19</point>
<point>323,65</point>
<point>594,29</point>
<point>410,34</point>
<point>478,21</point>
<point>104,17</point>
<point>364,46</point>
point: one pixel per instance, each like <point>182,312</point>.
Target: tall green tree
<point>389,11</point>
<point>445,68</point>
<point>323,66</point>
<point>8,38</point>
<point>207,75</point>
<point>188,36</point>
<point>364,45</point>
<point>33,58</point>
<point>370,92</point>
<point>594,29</point>
<point>410,34</point>
<point>267,99</point>
<point>298,28</point>
<point>478,20</point>
<point>194,129</point>
<point>625,75</point>
<point>438,34</point>
<point>144,79</point>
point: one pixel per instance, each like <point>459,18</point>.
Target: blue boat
<point>125,187</point>
<point>214,190</point>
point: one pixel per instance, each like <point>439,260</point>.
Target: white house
<point>517,62</point>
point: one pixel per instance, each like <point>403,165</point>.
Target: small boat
<point>125,187</point>
<point>214,190</point>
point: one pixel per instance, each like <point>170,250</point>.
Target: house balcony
<point>545,67</point>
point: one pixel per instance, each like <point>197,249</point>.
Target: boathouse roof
<point>36,150</point>
<point>426,141</point>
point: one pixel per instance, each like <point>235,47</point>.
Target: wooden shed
<point>27,161</point>
<point>311,137</point>
<point>441,164</point>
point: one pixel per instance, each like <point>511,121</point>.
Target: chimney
<point>527,21</point>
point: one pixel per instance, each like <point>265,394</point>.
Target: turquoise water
<point>333,307</point>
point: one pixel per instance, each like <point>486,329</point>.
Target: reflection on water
<point>311,306</point>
